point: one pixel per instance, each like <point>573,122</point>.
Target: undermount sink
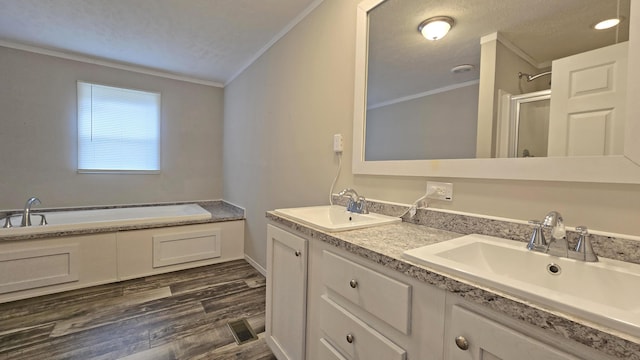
<point>605,292</point>
<point>333,218</point>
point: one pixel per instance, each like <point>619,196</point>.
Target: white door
<point>286,294</point>
<point>489,340</point>
<point>588,104</point>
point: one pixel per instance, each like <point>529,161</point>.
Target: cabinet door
<point>488,340</point>
<point>286,293</point>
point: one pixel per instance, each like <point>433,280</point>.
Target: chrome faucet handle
<point>361,205</point>
<point>352,206</point>
<point>43,219</point>
<point>7,222</point>
<point>584,248</point>
<point>537,241</point>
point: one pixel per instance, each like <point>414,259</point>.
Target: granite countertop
<point>385,244</point>
<point>220,211</point>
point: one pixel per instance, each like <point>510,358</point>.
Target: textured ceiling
<point>205,39</point>
<point>403,63</point>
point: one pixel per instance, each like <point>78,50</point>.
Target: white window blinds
<point>118,129</point>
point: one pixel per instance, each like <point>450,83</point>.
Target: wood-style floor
<point>180,315</point>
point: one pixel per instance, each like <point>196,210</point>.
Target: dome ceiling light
<point>435,28</point>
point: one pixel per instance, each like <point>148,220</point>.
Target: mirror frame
<point>599,169</point>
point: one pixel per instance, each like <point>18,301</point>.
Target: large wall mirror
<point>523,89</point>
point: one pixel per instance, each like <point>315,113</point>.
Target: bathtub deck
<point>180,315</point>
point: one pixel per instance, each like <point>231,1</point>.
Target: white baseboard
<point>255,264</point>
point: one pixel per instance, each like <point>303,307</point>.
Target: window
<point>118,129</point>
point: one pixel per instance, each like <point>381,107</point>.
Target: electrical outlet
<point>439,191</point>
<point>338,143</point>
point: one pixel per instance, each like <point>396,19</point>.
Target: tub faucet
<point>356,203</point>
<point>558,244</point>
<point>26,214</point>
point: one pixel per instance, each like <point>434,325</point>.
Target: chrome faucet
<point>26,214</point>
<point>356,203</point>
<point>558,244</point>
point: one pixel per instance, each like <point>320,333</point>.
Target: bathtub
<point>73,220</point>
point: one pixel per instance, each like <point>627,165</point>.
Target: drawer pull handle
<point>462,343</point>
<point>298,253</point>
<point>353,283</point>
<point>350,338</point>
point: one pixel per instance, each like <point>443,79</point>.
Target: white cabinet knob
<point>298,253</point>
<point>353,283</point>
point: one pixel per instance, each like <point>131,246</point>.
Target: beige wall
<point>38,136</point>
<point>281,113</point>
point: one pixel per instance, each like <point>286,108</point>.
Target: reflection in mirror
<point>420,104</point>
<point>530,123</point>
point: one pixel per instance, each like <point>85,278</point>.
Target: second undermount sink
<point>334,218</point>
<point>604,292</point>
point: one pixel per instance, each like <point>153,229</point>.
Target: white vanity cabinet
<point>363,310</point>
<point>327,303</point>
<point>286,293</point>
<point>344,307</point>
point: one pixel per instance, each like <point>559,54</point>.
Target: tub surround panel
<point>385,244</point>
<point>220,211</point>
<point>115,256</point>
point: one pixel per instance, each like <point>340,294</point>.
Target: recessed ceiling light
<point>607,24</point>
<point>435,28</point>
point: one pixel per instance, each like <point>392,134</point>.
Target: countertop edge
<point>221,211</point>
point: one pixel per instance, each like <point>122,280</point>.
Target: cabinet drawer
<point>355,338</point>
<point>328,352</point>
<point>380,295</point>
